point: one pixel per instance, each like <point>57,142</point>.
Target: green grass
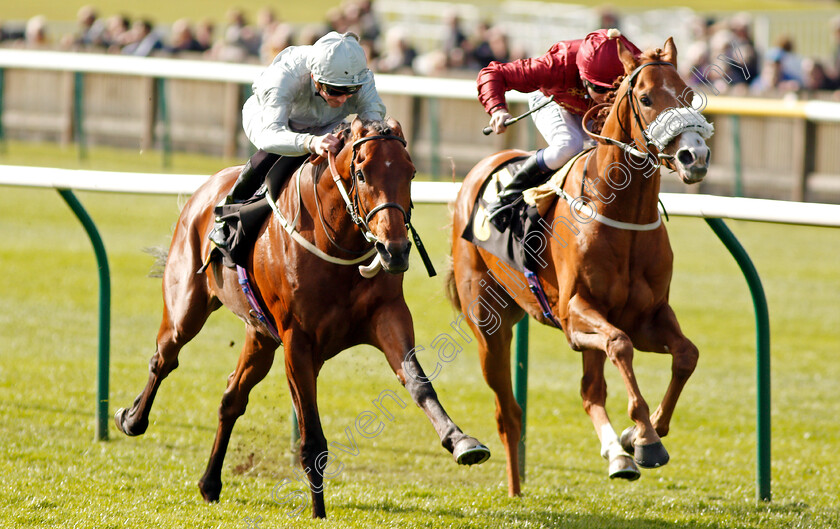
<point>55,475</point>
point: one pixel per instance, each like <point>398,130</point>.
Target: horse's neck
<point>607,176</point>
<point>333,209</point>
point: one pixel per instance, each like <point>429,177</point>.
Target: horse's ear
<point>627,58</point>
<point>394,125</point>
<point>357,127</point>
<point>669,52</point>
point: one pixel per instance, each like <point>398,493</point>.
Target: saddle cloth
<point>509,246</point>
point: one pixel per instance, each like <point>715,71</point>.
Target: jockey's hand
<point>497,120</point>
<point>328,143</point>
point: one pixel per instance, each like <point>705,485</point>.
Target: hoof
<point>627,437</point>
<point>469,451</point>
<point>210,493</point>
<point>119,420</point>
<point>623,467</point>
<point>651,456</point>
<point>647,456</point>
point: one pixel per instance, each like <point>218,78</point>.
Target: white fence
<point>678,204</point>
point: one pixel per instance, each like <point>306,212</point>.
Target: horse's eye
<point>360,176</point>
<point>645,101</point>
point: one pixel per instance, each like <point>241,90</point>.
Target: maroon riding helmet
<point>597,58</point>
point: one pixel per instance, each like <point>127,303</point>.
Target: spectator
<point>204,32</point>
<point>608,18</point>
<point>91,32</point>
<point>142,39</point>
<point>453,37</point>
<point>694,61</point>
<point>276,40</point>
<point>11,33</point>
<point>183,40</point>
<point>742,49</point>
<point>493,48</point>
<point>773,80</point>
<point>399,54</point>
<point>815,78</point>
<point>368,24</point>
<point>35,34</point>
<point>790,62</point>
<point>116,33</point>
<point>238,34</point>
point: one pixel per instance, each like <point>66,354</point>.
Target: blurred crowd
<point>777,71</point>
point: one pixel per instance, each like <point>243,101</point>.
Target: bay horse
<point>304,272</point>
<point>606,263</point>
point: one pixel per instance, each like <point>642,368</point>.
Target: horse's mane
<point>379,127</point>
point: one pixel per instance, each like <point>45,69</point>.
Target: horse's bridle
<point>636,112</point>
<point>357,177</point>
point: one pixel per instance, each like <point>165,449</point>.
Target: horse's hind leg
<point>184,314</point>
<point>302,375</point>
<point>254,363</point>
<point>593,391</point>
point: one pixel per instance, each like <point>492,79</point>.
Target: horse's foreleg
<point>392,332</point>
<point>587,328</point>
<point>254,363</point>
<point>663,335</point>
<point>593,392</point>
<point>494,356</point>
<point>173,335</point>
<point>302,375</point>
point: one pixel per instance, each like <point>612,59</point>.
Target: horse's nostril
<point>685,156</point>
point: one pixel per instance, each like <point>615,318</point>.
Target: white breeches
<point>561,129</point>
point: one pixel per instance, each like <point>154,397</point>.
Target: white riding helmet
<point>338,60</point>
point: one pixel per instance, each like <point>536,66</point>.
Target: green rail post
<point>520,387</point>
<point>2,104</point>
<point>294,445</point>
<point>434,136</point>
<point>736,155</point>
<point>762,331</point>
<point>102,372</point>
<point>163,119</point>
<point>79,114</point>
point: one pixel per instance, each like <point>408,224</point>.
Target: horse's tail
<point>451,287</point>
<point>160,253</point>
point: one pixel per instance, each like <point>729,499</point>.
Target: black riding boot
<point>243,189</point>
<point>529,175</point>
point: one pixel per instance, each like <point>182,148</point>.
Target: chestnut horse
<point>605,273</point>
<point>303,270</point>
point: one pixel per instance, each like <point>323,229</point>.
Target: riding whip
<point>511,121</point>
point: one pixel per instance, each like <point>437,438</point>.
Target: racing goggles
<point>598,89</point>
<point>336,91</point>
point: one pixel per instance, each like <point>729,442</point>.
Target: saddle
<point>510,245</point>
<point>243,221</point>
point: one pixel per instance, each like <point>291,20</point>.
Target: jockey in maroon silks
<point>579,74</point>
